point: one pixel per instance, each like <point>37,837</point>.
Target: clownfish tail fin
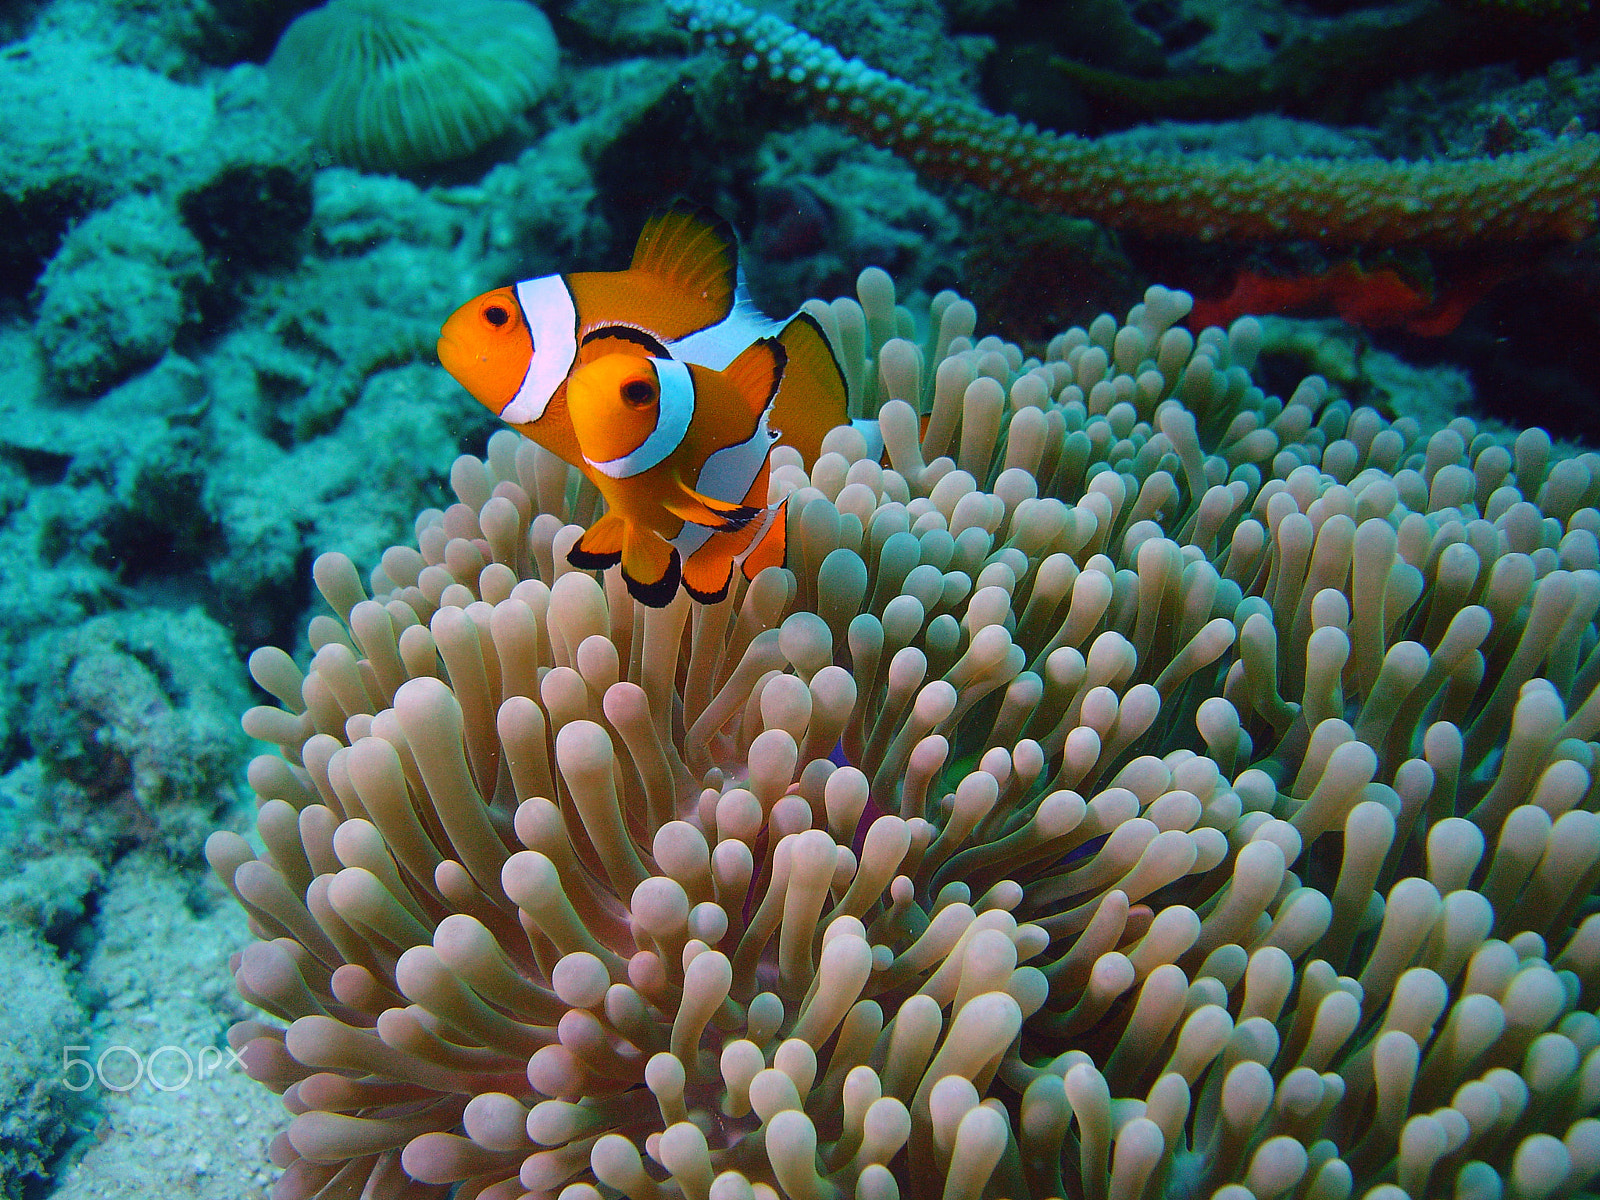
<point>812,397</point>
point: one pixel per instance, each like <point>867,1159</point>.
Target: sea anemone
<point>389,85</point>
<point>1141,786</point>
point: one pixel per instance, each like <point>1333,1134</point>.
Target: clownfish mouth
<point>463,364</point>
<point>452,356</point>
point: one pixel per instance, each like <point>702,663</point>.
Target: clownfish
<point>683,297</point>
<point>681,454</point>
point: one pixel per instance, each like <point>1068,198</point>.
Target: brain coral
<point>389,85</point>
<point>1142,787</point>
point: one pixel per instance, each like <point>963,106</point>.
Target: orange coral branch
<point>1545,193</point>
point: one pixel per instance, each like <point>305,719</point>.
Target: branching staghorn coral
<point>1142,786</point>
<point>1546,193</point>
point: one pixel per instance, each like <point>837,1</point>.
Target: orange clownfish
<point>683,297</point>
<point>681,454</point>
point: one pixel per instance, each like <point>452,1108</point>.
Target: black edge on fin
<point>747,369</point>
<point>660,593</point>
<point>715,597</point>
<point>587,560</point>
<point>805,318</point>
<point>684,206</point>
<point>780,356</point>
<point>737,518</point>
<point>627,333</point>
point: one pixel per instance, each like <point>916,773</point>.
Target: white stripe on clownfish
<point>516,347</point>
<point>552,320</point>
<point>717,345</point>
<point>674,411</point>
<point>727,475</point>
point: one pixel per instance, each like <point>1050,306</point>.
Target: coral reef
<point>389,86</point>
<point>1142,782</point>
<point>114,296</point>
<point>88,130</point>
<point>909,38</point>
<point>286,323</point>
<point>1544,193</point>
<point>176,38</point>
<point>1252,57</point>
<point>825,203</point>
<point>36,1105</point>
<point>194,1125</point>
<point>129,713</point>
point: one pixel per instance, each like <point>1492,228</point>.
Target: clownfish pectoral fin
<point>650,567</point>
<point>708,571</point>
<point>812,397</point>
<point>694,254</point>
<point>601,544</point>
<point>696,508</point>
<point>772,544</point>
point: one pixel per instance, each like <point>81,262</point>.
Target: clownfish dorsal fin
<point>684,280</point>
<point>696,253</point>
<point>757,373</point>
<point>812,397</point>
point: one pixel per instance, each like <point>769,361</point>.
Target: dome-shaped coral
<point>394,84</point>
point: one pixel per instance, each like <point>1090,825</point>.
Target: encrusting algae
<point>1140,787</point>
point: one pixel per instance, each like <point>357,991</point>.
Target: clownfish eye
<point>637,393</point>
<point>496,315</point>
